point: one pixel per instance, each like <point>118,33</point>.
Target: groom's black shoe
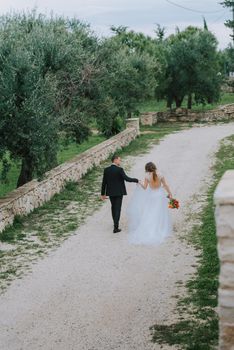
<point>116,230</point>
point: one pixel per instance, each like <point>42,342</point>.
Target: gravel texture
<point>97,292</point>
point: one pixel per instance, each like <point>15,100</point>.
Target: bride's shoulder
<point>147,175</point>
<point>160,174</point>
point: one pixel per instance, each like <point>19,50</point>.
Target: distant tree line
<point>230,22</point>
<point>57,76</point>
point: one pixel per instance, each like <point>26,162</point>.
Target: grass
<point>160,106</point>
<point>197,328</point>
<point>48,226</point>
<point>65,153</point>
<point>226,98</point>
<point>152,106</point>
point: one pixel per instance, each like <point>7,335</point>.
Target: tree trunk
<point>209,100</point>
<point>178,101</point>
<point>189,101</point>
<point>129,114</point>
<point>26,172</point>
<point>169,103</point>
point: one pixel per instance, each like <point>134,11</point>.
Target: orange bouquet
<point>173,204</point>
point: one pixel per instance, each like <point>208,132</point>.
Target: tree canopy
<point>57,77</point>
<point>230,23</point>
<point>192,67</point>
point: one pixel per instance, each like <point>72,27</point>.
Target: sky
<point>139,15</point>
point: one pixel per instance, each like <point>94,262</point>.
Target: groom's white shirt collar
<point>114,164</point>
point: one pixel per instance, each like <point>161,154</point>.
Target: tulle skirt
<point>148,216</point>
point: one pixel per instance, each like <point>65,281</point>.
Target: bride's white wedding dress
<point>148,215</point>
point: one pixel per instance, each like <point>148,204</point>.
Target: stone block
<point>184,115</point>
<point>226,341</point>
<point>146,119</point>
<point>227,275</point>
<point>224,193</point>
<point>226,298</point>
<point>226,315</point>
<point>226,248</point>
<point>133,123</point>
<point>224,216</point>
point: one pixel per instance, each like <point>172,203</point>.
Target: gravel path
<point>97,292</point>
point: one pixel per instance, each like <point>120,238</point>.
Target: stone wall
<point>33,194</point>
<point>228,86</point>
<point>149,118</point>
<point>224,200</point>
<point>223,113</point>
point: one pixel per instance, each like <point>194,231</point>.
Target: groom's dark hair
<point>115,156</point>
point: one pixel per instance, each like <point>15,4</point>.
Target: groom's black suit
<point>113,185</point>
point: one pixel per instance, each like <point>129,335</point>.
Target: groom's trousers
<point>116,204</point>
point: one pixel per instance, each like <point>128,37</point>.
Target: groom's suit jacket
<point>113,181</point>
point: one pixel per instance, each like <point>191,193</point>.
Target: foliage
<point>192,67</point>
<point>227,59</point>
<point>130,75</point>
<point>229,23</point>
<point>56,77</point>
<point>153,48</point>
<point>43,66</point>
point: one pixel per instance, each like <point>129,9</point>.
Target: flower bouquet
<point>173,204</point>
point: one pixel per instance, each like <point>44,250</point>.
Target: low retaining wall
<point>224,200</point>
<point>223,113</point>
<point>33,194</point>
<point>149,118</point>
<point>228,86</point>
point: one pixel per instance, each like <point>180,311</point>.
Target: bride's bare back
<point>155,184</point>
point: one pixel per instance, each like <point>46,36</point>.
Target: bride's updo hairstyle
<point>151,168</point>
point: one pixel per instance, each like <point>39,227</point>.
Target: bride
<point>148,213</point>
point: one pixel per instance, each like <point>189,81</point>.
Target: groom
<point>113,186</point>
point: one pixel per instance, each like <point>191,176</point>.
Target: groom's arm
<point>104,184</point>
<point>127,178</point>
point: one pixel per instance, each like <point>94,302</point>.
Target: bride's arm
<point>165,185</point>
<point>144,184</point>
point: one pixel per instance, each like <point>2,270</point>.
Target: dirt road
<point>97,292</point>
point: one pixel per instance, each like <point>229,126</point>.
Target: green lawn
<point>152,106</point>
<point>73,149</point>
<point>64,154</point>
<point>160,106</point>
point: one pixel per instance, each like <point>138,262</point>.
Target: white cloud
<point>136,14</point>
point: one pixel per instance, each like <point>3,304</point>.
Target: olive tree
<point>130,75</point>
<point>192,67</point>
<point>46,70</point>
